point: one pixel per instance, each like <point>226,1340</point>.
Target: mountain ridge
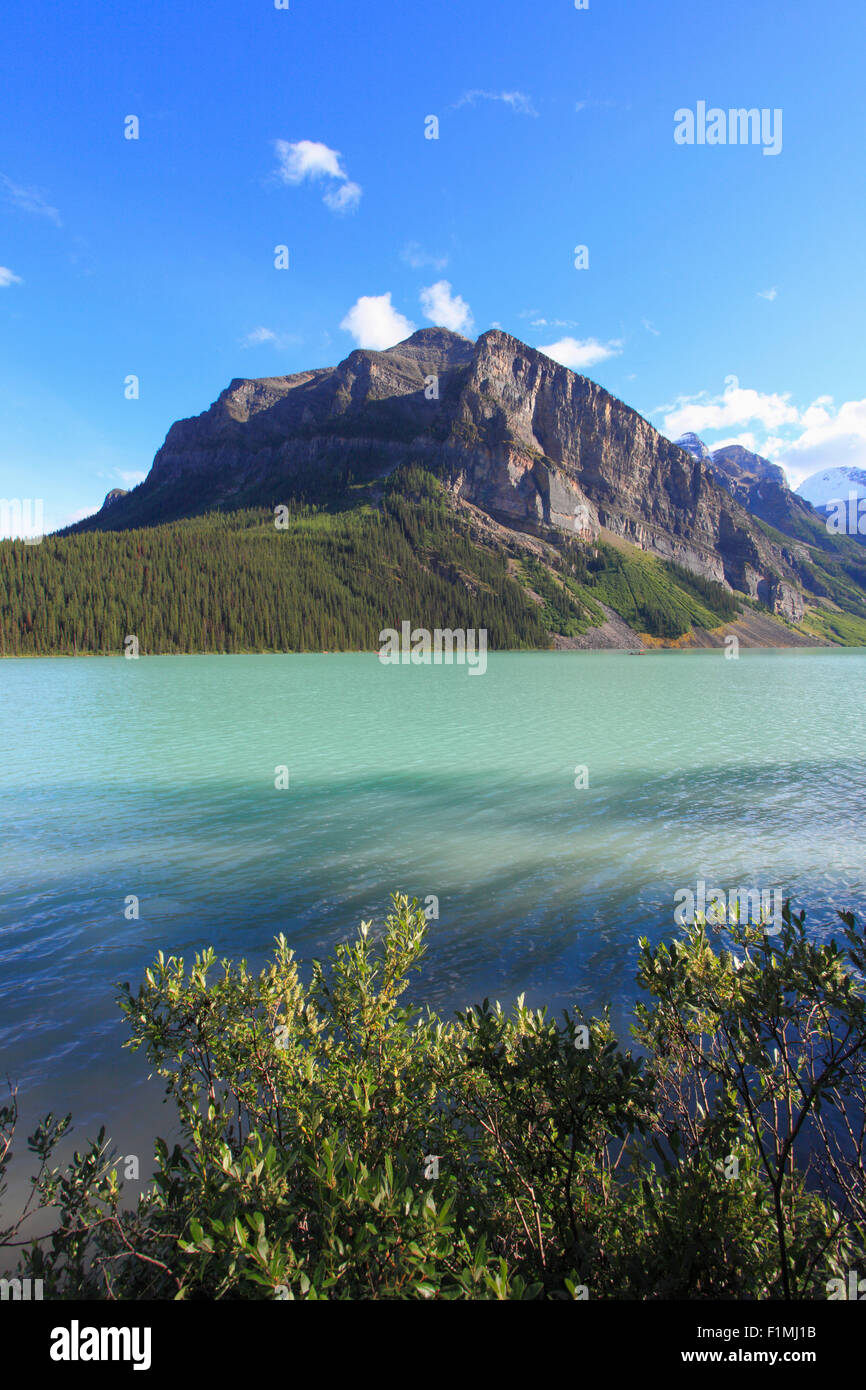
<point>539,466</point>
<point>509,430</point>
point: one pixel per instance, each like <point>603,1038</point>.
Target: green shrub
<point>722,1161</point>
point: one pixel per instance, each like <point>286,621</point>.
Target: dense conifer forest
<point>330,578</point>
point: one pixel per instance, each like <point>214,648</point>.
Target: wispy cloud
<point>518,101</point>
<point>768,294</point>
<point>445,309</point>
<point>258,336</point>
<point>413,254</point>
<point>78,515</point>
<point>650,328</point>
<point>309,159</point>
<point>608,105</point>
<point>344,198</point>
<point>29,200</point>
<point>7,278</point>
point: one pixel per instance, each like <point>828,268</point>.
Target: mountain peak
<point>734,462</point>
<point>694,445</point>
<point>514,436</point>
<point>114,495</point>
<point>423,337</point>
<point>435,346</point>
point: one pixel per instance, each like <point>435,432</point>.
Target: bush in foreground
<point>336,1143</point>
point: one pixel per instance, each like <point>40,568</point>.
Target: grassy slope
<point>835,570</point>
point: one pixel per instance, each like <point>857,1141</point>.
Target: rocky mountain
<point>745,474</point>
<point>516,438</point>
<point>760,486</point>
<point>560,496</point>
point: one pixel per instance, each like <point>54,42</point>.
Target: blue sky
<point>725,290</point>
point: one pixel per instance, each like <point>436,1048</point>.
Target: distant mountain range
<point>761,486</point>
<point>609,533</point>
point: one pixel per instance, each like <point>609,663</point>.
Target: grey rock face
<point>539,441</point>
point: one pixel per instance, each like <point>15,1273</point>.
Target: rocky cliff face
<point>542,446</point>
<point>536,446</point>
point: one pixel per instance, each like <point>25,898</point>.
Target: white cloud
<point>801,441</point>
<point>344,198</point>
<point>553,323</point>
<point>737,406</point>
<point>580,353</point>
<point>307,159</point>
<point>413,254</point>
<point>310,159</point>
<point>7,278</point>
<point>375,323</point>
<point>746,441</point>
<point>445,309</point>
<point>650,328</point>
<point>768,294</point>
<point>772,446</point>
<point>830,439</point>
<point>130,480</point>
<point>817,413</point>
<point>518,101</point>
<point>29,200</point>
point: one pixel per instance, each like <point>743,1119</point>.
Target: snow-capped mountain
<point>833,485</point>
<point>762,488</point>
<point>694,446</point>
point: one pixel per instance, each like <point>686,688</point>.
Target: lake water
<point>156,778</point>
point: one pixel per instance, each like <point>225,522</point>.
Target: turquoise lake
<point>155,778</point>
